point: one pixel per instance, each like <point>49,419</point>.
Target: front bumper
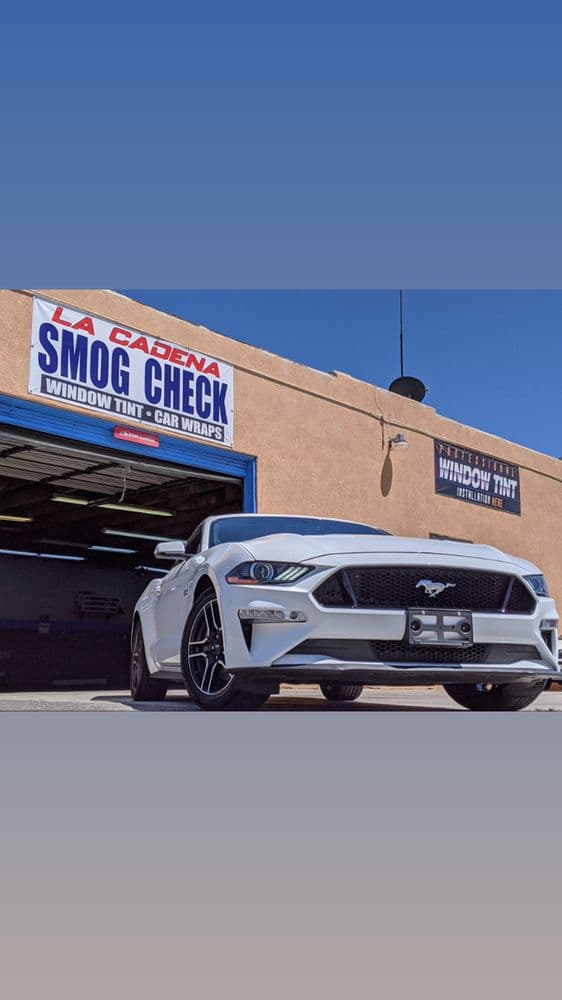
<point>272,652</point>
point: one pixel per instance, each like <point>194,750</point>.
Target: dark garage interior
<point>72,557</point>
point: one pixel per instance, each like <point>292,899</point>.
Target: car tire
<point>495,697</point>
<point>341,692</point>
<point>202,662</point>
<point>144,687</point>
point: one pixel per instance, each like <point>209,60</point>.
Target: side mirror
<point>170,550</point>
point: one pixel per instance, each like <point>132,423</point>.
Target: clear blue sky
<point>490,359</point>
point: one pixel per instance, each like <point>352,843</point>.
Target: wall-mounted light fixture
<point>399,441</point>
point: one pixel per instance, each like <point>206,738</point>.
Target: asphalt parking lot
<point>291,699</point>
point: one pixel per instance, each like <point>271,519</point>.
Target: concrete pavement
<point>302,699</point>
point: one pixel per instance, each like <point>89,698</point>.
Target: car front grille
<point>388,651</point>
<point>400,587</point>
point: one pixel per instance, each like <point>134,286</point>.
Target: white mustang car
<point>254,601</point>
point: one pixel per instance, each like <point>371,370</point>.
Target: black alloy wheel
<point>203,662</point>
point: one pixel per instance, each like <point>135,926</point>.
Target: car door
<point>173,599</point>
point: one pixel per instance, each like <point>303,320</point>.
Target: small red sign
<point>137,437</point>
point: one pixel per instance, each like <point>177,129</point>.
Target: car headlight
<point>539,584</point>
<point>256,573</point>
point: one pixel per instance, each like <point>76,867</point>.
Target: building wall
<point>321,439</point>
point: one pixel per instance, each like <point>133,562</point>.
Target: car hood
<point>306,548</point>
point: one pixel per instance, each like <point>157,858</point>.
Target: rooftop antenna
<point>406,385</point>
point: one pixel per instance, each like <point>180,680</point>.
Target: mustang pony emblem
<point>433,589</point>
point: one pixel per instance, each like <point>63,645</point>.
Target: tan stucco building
<point>320,441</point>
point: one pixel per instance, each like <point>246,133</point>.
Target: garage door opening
<point>78,527</point>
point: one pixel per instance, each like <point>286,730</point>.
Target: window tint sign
<point>89,362</point>
<point>476,478</point>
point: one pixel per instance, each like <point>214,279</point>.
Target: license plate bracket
<point>439,627</point>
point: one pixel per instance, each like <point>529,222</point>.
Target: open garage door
<point>78,526</point>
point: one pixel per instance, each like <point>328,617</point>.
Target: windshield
<point>242,529</point>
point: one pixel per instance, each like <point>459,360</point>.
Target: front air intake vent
<point>389,651</point>
<point>401,587</point>
<point>247,631</point>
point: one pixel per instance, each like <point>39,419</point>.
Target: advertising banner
<point>90,362</point>
<point>476,478</point>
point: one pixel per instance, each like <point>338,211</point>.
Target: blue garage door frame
<point>79,428</point>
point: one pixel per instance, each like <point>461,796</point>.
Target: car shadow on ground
<point>277,703</point>
<point>168,705</point>
<point>287,704</point>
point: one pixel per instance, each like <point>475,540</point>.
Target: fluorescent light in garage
<point>127,508</point>
<point>135,534</point>
<point>40,555</point>
<point>16,518</point>
<point>135,510</point>
<point>16,552</point>
<point>76,500</point>
<point>48,555</point>
<point>110,548</point>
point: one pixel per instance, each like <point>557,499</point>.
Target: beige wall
<point>321,439</point>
